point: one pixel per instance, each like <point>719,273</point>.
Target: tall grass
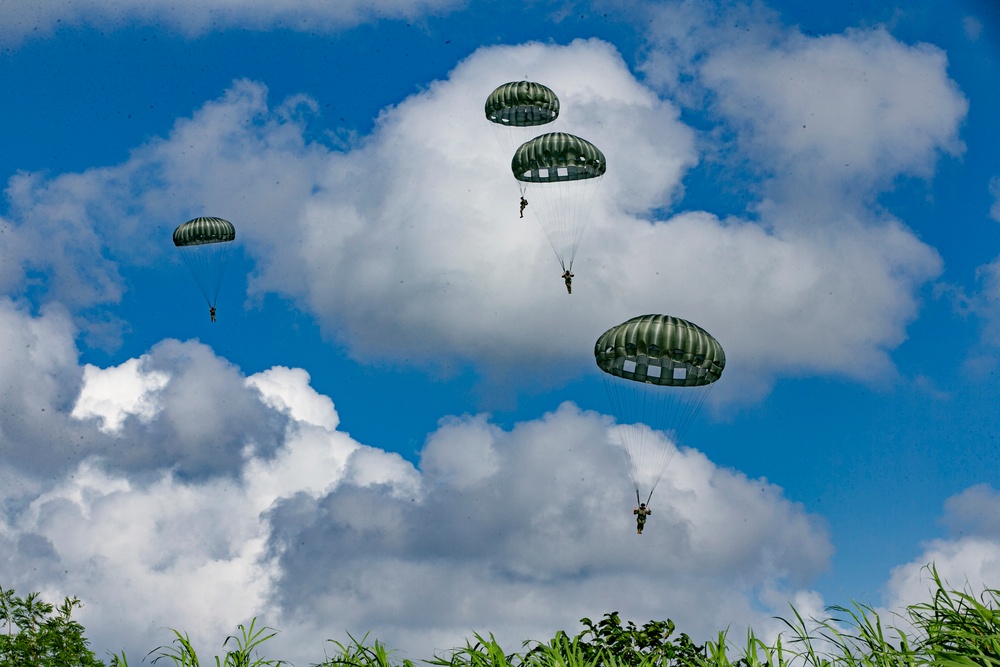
<point>182,654</point>
<point>954,629</point>
<point>961,629</point>
<point>484,653</point>
<point>852,637</point>
<point>756,653</point>
<point>360,654</point>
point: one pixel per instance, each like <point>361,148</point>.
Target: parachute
<point>516,109</point>
<point>559,174</point>
<point>205,245</point>
<point>658,371</point>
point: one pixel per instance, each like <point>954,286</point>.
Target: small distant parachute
<point>205,245</point>
<point>517,109</point>
<point>559,175</point>
<point>658,371</point>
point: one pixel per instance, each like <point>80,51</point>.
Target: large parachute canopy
<point>205,245</point>
<point>658,370</point>
<point>517,109</point>
<point>559,174</point>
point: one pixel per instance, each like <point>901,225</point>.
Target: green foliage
<point>960,630</point>
<point>852,637</point>
<point>358,654</point>
<point>183,654</point>
<point>757,653</point>
<point>608,641</point>
<point>954,629</point>
<point>561,651</point>
<point>34,632</point>
<point>604,644</point>
<point>484,653</point>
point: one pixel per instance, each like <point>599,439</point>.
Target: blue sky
<point>396,424</point>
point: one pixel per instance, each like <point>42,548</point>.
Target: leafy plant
<point>183,654</point>
<point>562,651</point>
<point>854,637</point>
<point>359,654</point>
<point>757,652</point>
<point>954,629</point>
<point>484,653</point>
<point>608,641</point>
<point>36,633</point>
<point>961,629</point>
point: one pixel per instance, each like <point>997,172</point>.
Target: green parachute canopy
<point>661,350</point>
<point>658,371</point>
<point>522,104</point>
<point>516,110</point>
<point>557,157</point>
<point>204,230</point>
<point>205,244</point>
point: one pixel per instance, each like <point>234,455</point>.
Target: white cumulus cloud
<point>518,531</point>
<point>406,246</point>
<point>112,394</point>
<point>21,19</point>
<point>967,559</point>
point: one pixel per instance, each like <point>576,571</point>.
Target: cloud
<point>973,512</point>
<point>178,406</point>
<point>518,531</point>
<point>21,19</point>
<point>303,404</point>
<point>856,109</point>
<point>827,121</point>
<point>40,379</point>
<point>143,555</point>
<point>986,300</point>
<point>407,248</point>
<point>968,558</point>
<point>204,497</point>
<point>534,539</point>
<point>53,240</point>
<point>159,520</point>
<point>972,27</point>
<point>114,393</point>
<point>195,413</point>
<point>983,301</point>
<point>995,194</point>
